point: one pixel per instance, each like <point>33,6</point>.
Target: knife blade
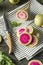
<point>8,35</point>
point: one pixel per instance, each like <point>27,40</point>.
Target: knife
<point>8,34</point>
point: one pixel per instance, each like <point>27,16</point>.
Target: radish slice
<point>35,62</point>
<point>21,14</point>
<point>34,41</point>
<point>20,31</point>
<point>30,29</point>
<point>25,38</point>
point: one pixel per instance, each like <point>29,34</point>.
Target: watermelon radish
<point>35,62</point>
<point>25,38</point>
<point>30,29</point>
<point>22,15</point>
<point>20,31</point>
<point>34,41</point>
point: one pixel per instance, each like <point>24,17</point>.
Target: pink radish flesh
<point>35,63</point>
<point>22,15</point>
<point>21,30</point>
<point>25,38</point>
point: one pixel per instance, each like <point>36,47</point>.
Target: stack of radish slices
<point>28,36</point>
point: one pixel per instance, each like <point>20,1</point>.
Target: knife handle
<point>9,42</point>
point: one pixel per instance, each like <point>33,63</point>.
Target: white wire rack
<point>24,51</point>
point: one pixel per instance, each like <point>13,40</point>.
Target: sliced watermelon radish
<point>30,29</point>
<point>35,62</point>
<point>25,38</point>
<point>20,31</point>
<point>21,14</point>
<point>34,41</point>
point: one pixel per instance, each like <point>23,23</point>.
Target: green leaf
<point>7,58</point>
<point>8,63</point>
<point>1,57</point>
<point>15,24</point>
<point>0,53</point>
<point>4,60</point>
<point>13,64</point>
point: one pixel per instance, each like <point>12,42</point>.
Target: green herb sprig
<point>15,24</point>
